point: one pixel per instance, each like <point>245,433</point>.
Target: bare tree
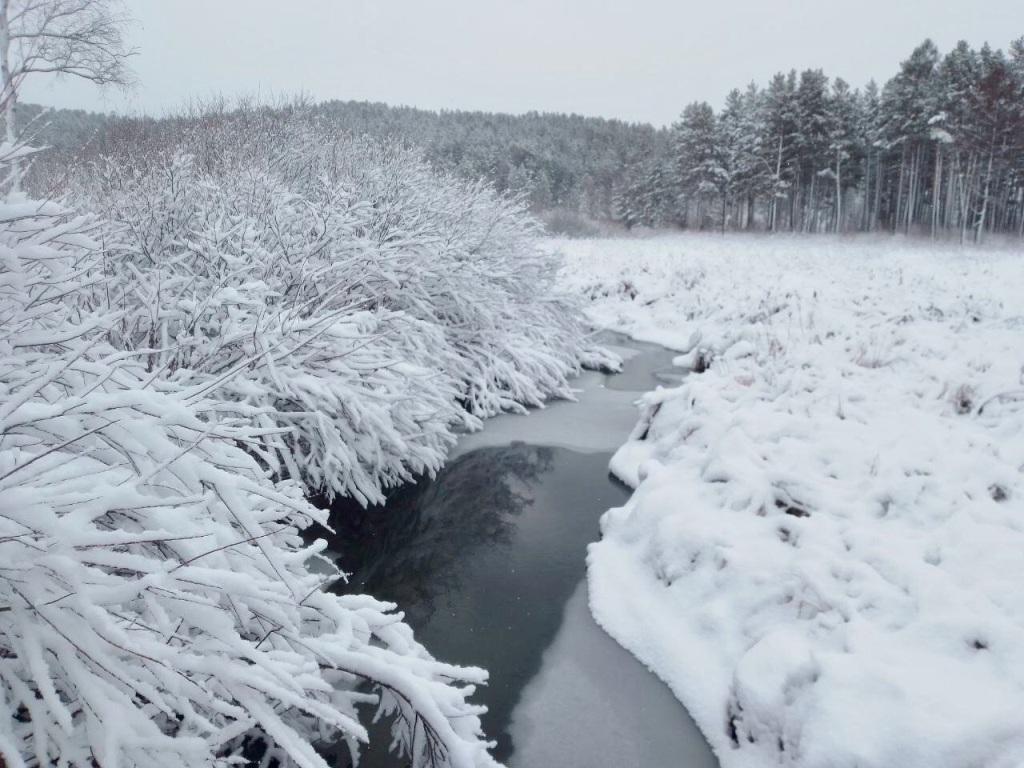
<point>80,38</point>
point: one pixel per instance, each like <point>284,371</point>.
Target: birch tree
<point>76,38</point>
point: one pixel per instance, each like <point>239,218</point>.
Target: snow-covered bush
<point>353,295</point>
<point>155,602</point>
<point>243,287</point>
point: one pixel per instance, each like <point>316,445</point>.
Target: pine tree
<point>958,76</point>
<point>941,147</point>
<point>996,109</point>
<point>781,126</point>
<point>842,134</point>
<point>699,165</point>
<point>1016,165</point>
<point>869,139</point>
<point>742,139</point>
<point>910,101</point>
<point>812,144</point>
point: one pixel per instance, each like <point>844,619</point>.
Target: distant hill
<point>566,163</point>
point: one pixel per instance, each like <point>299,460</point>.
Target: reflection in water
<point>414,549</point>
<point>483,560</point>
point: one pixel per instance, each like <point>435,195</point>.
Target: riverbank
<point>822,557</point>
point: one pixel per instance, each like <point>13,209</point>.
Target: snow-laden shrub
<point>240,286</point>
<point>469,263</point>
<point>155,603</point>
<point>355,296</point>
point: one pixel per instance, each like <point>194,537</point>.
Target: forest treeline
<point>938,149</point>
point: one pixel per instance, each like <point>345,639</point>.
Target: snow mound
<point>822,557</point>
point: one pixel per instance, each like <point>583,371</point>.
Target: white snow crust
<point>824,553</point>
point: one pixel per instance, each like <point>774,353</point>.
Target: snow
<point>824,551</point>
<point>155,603</point>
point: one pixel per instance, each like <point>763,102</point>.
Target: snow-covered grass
<point>824,553</point>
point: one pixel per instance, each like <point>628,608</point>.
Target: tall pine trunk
<point>774,212</point>
<point>899,191</point>
<point>839,191</point>
<point>1020,212</point>
<point>936,189</point>
<point>950,198</point>
<point>877,204</point>
<point>865,210</point>
<point>987,190</point>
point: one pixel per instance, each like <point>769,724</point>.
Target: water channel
<point>488,562</point>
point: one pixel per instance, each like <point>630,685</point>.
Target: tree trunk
<point>9,90</point>
<point>1020,212</point>
<point>774,213</point>
<point>985,194</point>
<point>936,189</point>
<point>839,191</point>
<point>948,208</point>
<point>899,191</point>
<point>808,218</point>
<point>873,218</point>
<point>865,210</point>
<point>966,193</point>
<point>791,204</point>
<point>912,188</point>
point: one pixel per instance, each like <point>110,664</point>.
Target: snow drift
<point>822,557</point>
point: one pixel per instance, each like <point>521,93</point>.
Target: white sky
<point>632,59</point>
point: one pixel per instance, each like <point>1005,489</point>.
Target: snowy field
<point>824,554</point>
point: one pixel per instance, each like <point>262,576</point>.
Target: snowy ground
<point>825,551</point>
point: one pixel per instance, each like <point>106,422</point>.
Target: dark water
<point>649,366</point>
<point>488,563</point>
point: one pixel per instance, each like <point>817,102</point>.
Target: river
<point>488,562</point>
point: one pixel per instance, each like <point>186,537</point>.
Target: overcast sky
<point>631,59</point>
